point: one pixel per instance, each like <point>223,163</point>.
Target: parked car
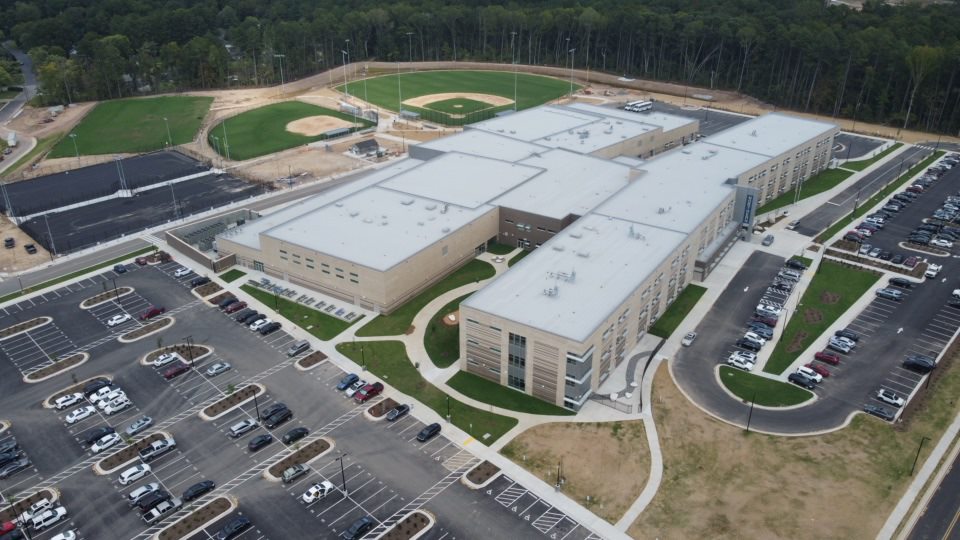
<point>847,334</point>
<point>151,500</point>
<point>920,363</point>
<point>802,381</point>
<point>227,302</point>
<point>14,467</point>
<point>198,281</point>
<point>253,318</point>
<point>903,283</point>
<point>747,344</point>
<point>217,368</point>
<point>117,320</point>
<point>347,381</point>
<point>243,314</point>
<point>162,510</point>
<point>294,435</point>
<point>889,397</point>
<point>79,414</point>
<point>259,323</point>
<point>428,432</point>
<point>740,363</point>
<point>269,328</point>
<point>827,357</point>
<point>96,434</point>
<point>277,418</point>
<point>933,270</point>
<point>152,312</point>
<point>355,387</point>
<point>889,294</point>
<point>767,240</point>
<point>879,412</point>
<point>198,490</point>
<point>259,442</point>
<point>164,359</point>
<point>292,473</point>
<point>182,271</point>
<point>176,371</point>
<point>95,385</point>
<point>68,400</point>
<point>274,409</point>
<point>810,374</point>
<point>795,264</point>
<point>317,492</point>
<point>397,412</point>
<point>138,494</point>
<point>133,474</point>
<point>116,406</point>
<point>107,441</point>
<point>157,449</point>
<point>120,268</point>
<point>48,518</point>
<point>359,528</point>
<point>240,428</point>
<point>232,529</point>
<point>298,347</point>
<point>235,307</point>
<point>138,425</point>
<point>367,392</point>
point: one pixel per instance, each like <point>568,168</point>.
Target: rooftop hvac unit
<point>420,223</point>
<point>558,247</point>
<point>513,132</point>
<point>384,223</point>
<point>583,254</point>
<point>551,291</point>
<point>338,204</point>
<point>576,234</point>
<point>367,220</point>
<point>354,213</point>
<point>406,202</point>
<point>445,229</point>
<point>753,133</point>
<point>431,206</point>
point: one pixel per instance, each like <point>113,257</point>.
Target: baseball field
<point>135,125</point>
<point>277,127</point>
<point>457,97</point>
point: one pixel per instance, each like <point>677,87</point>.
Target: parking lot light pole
<point>281,57</point>
<point>189,341</point>
<point>73,137</point>
<point>919,448</point>
<point>448,409</point>
<point>256,405</point>
<point>169,138</point>
<point>116,293</point>
<point>343,477</point>
<point>750,416</point>
<point>53,246</point>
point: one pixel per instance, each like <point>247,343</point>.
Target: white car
<point>66,535</point>
<point>116,406</point>
<point>753,336</point>
<point>105,442</point>
<point>260,324</point>
<point>79,414</point>
<point>890,398</point>
<point>941,242</point>
<point>133,474</point>
<point>117,320</point>
<point>956,293</point>
<point>355,387</point>
<point>110,398</point>
<point>68,400</point>
<point>764,308</point>
<point>182,271</point>
<point>317,491</point>
<point>740,363</point>
<point>745,355</point>
<point>933,270</point>
<point>164,359</point>
<point>48,518</point>
<point>810,374</point>
<point>688,339</point>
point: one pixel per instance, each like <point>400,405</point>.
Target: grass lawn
<point>399,321</point>
<point>7,95</point>
<point>42,146</point>
<point>458,106</point>
<point>609,462</point>
<point>831,292</point>
<point>494,394</point>
<point>264,130</point>
<point>442,341</point>
<point>319,324</point>
<point>499,249</point>
<point>752,485</point>
<point>532,90</point>
<point>761,390</point>
<point>867,206</point>
<point>135,125</point>
<point>517,258</point>
<point>823,181</point>
<point>806,261</point>
<point>388,360</point>
<point>671,318</point>
<point>864,163</point>
<point>232,275</point>
<point>72,275</point>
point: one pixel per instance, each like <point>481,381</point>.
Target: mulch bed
<point>851,255</point>
<point>382,408</point>
<point>408,527</point>
<point>104,296</point>
<point>130,452</point>
<point>185,351</point>
<point>829,298</point>
<point>813,316</point>
<point>221,297</point>
<point>208,289</point>
<point>232,400</point>
<point>196,519</point>
<point>22,505</point>
<point>303,455</point>
<point>25,325</point>
<point>797,344</point>
<point>311,359</point>
<point>73,389</point>
<point>153,326</point>
<point>56,367</point>
<point>482,472</point>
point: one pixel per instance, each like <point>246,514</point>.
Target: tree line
<point>887,64</point>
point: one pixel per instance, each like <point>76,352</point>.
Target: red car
<point>235,307</point>
<point>830,358</point>
<point>822,371</point>
<point>368,392</point>
<point>152,312</point>
<point>910,262</point>
<point>176,371</point>
<point>769,321</point>
<point>142,261</point>
<point>7,526</point>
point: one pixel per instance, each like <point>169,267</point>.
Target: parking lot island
<point>128,454</point>
<point>413,525</point>
<point>146,330</point>
<point>25,326</point>
<point>481,475</point>
<point>72,389</point>
<point>311,451</point>
<point>193,352</point>
<point>106,296</point>
<point>761,391</point>
<point>198,519</point>
<point>232,401</point>
<point>310,361</point>
<point>23,504</point>
<point>379,410</point>
<point>57,367</point>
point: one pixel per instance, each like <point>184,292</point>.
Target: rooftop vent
<point>551,291</point>
<point>619,122</point>
<point>443,209</point>
<point>354,213</point>
<point>445,229</point>
<point>583,254</point>
<point>547,138</point>
<point>753,133</point>
<point>420,223</point>
<point>569,278</point>
<point>431,206</point>
<point>558,247</point>
<point>590,228</point>
<point>338,204</point>
<point>513,131</point>
<point>367,220</point>
<point>576,234</point>
<point>406,202</point>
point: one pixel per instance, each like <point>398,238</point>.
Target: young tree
<point>921,61</point>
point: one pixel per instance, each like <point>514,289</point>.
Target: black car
<point>748,345</point>
<point>897,259</point>
<point>95,385</point>
<point>801,380</point>
<point>14,467</point>
<point>398,412</point>
<point>295,434</point>
<point>763,332</point>
<point>276,419</point>
<point>879,412</point>
<point>795,264</point>
<point>152,500</point>
<point>10,457</point>
<point>254,318</point>
<point>428,432</point>
<point>259,442</point>
<point>920,363</point>
<point>31,249</point>
<point>885,255</point>
<point>231,530</point>
<point>900,282</point>
<point>8,444</point>
<point>359,528</point>
<point>954,304</point>
<point>273,409</point>
<point>96,434</point>
<point>198,281</point>
<point>348,381</point>
<point>269,328</point>
<point>847,333</point>
<point>16,534</point>
<point>198,490</point>
<point>226,302</point>
<point>243,314</point>
<point>9,243</point>
<point>248,317</point>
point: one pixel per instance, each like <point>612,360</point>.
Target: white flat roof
<point>485,144</point>
<point>665,121</point>
<point>536,123</point>
<point>571,184</point>
<point>680,189</point>
<point>771,134</point>
<point>593,136</point>
<point>375,227</point>
<point>608,259</point>
<point>249,234</point>
<point>460,179</point>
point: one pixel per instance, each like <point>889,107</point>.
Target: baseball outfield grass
<point>263,131</point>
<point>531,90</point>
<point>135,125</point>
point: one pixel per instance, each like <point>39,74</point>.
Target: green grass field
<point>135,125</point>
<point>674,314</point>
<point>263,131</point>
<point>320,325</point>
<point>490,392</point>
<point>442,341</point>
<point>761,390</point>
<point>864,163</point>
<point>531,90</point>
<point>823,181</point>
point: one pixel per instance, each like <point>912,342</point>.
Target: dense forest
<point>895,65</point>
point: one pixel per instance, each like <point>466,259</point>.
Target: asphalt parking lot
<point>849,146</point>
<point>387,472</point>
<point>710,121</point>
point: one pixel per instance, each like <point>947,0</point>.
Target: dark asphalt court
<point>88,225</point>
<point>70,187</point>
<point>847,146</point>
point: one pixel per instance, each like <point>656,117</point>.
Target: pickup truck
<point>157,449</point>
<point>162,510</point>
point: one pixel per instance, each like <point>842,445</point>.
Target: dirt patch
<point>604,466</point>
<point>233,400</point>
<point>303,163</point>
<point>58,366</point>
<point>311,360</point>
<point>812,316</point>
<point>382,408</point>
<point>208,289</point>
<point>452,318</point>
<point>10,513</point>
<point>16,259</point>
<point>408,527</point>
<point>105,297</point>
<point>24,326</point>
<point>828,297</point>
<point>423,101</point>
<point>128,453</point>
<point>196,519</point>
<point>31,120</point>
<point>154,326</point>
<point>796,344</point>
<point>482,472</point>
<point>312,126</point>
<point>301,456</point>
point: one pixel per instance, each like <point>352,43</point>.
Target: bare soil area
<point>423,101</point>
<point>31,120</point>
<point>314,162</point>
<point>17,259</point>
<point>312,126</point>
<point>606,461</point>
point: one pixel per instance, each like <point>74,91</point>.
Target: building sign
<point>747,209</point>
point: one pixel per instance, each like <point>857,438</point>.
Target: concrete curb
<point>333,444</point>
<point>234,504</point>
<point>203,416</point>
<point>144,362</point>
<point>25,330</point>
<point>120,292</point>
<point>716,375</point>
<point>124,339</point>
<point>100,471</point>
<point>28,380</point>
<point>471,485</point>
<point>431,521</point>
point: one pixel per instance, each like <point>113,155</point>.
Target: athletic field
<point>277,127</point>
<point>458,97</point>
<point>135,126</point>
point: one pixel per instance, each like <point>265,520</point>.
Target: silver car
<point>139,425</point>
<point>217,369</point>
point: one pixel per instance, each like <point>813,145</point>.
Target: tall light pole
<point>343,477</point>
<point>346,87</point>
<point>410,48</point>
<point>169,138</point>
<point>571,51</point>
<point>53,246</point>
<point>280,56</point>
<point>399,93</point>
<point>514,62</point>
<point>226,144</point>
<point>73,137</point>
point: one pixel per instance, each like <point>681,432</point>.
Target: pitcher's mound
<point>452,318</point>
<point>312,126</point>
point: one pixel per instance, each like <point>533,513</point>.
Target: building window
<point>310,266</point>
<point>325,271</point>
<point>445,250</point>
<point>353,275</point>
<point>325,265</point>
<point>353,281</point>
<point>283,251</point>
<point>517,361</point>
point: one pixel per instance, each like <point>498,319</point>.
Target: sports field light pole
<point>169,138</point>
<point>226,145</point>
<point>410,49</point>
<point>399,93</point>
<point>53,246</point>
<point>280,56</point>
<point>346,87</point>
<point>514,62</point>
<point>73,137</point>
<point>571,51</point>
